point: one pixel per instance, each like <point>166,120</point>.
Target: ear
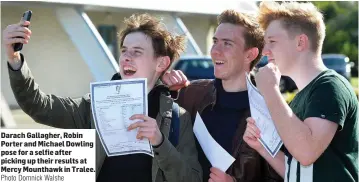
<point>163,62</point>
<point>302,42</point>
<point>252,54</point>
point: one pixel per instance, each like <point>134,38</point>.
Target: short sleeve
<point>328,101</point>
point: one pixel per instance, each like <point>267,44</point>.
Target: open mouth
<point>129,70</point>
<point>218,62</point>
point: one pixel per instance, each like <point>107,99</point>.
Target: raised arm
<point>43,108</point>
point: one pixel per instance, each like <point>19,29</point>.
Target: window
<point>109,35</point>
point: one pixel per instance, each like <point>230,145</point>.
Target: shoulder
<point>201,83</point>
<point>333,84</point>
<point>87,98</point>
<point>198,86</point>
<point>182,112</point>
<point>183,115</point>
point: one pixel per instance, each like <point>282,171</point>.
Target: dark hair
<point>253,34</point>
<point>164,43</point>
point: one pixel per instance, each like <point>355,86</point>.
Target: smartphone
<point>27,17</point>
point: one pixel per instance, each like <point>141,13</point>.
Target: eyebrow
<point>228,40</point>
<point>124,47</point>
<point>139,48</point>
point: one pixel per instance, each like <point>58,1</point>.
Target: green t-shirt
<point>329,96</point>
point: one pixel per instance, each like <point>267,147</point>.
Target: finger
<point>210,180</point>
<point>24,23</point>
<point>214,177</point>
<point>139,116</point>
<point>178,77</point>
<point>26,30</point>
<point>174,80</point>
<point>254,127</point>
<point>15,40</point>
<point>136,125</point>
<point>169,82</point>
<point>146,129</point>
<point>184,78</point>
<point>249,138</point>
<point>17,35</point>
<point>166,78</point>
<point>141,135</point>
<point>250,120</point>
<point>217,171</point>
<point>21,29</point>
<point>252,132</point>
<point>214,170</point>
<point>182,75</point>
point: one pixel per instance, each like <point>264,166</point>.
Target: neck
<point>151,83</point>
<point>307,67</point>
<point>236,84</point>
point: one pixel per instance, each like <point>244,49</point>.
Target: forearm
<point>277,163</point>
<point>296,135</point>
<point>45,109</point>
<point>26,91</point>
<point>15,62</point>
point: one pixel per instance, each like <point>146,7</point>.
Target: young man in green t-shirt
<point>319,127</point>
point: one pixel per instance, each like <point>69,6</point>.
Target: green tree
<point>341,20</point>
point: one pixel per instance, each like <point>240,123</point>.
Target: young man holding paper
<point>147,50</point>
<point>319,128</point>
<point>223,102</point>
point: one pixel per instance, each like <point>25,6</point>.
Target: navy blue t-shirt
<point>222,121</point>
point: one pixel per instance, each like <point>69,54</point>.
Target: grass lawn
<point>354,82</point>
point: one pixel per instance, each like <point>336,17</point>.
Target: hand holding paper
<point>269,136</point>
<point>113,103</point>
<point>147,128</point>
<point>215,153</point>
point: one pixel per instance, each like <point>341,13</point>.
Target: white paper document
<point>112,104</point>
<point>260,113</point>
<point>214,152</point>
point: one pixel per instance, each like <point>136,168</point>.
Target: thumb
<point>23,22</point>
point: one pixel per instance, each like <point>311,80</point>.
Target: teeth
<point>219,62</point>
<point>129,68</point>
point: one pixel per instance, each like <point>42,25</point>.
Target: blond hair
<point>296,18</point>
<point>253,34</point>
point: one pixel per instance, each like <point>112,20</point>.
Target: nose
<point>265,51</point>
<point>125,56</point>
<point>216,50</point>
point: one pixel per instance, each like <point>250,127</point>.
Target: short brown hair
<point>295,18</point>
<point>253,34</point>
<point>163,42</point>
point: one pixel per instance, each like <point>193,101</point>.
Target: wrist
<point>263,152</point>
<point>159,142</point>
<point>15,58</point>
<point>270,91</point>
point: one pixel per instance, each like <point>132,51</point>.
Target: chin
<point>220,76</point>
<point>128,77</point>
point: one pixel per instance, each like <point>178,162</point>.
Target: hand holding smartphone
<point>25,17</point>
